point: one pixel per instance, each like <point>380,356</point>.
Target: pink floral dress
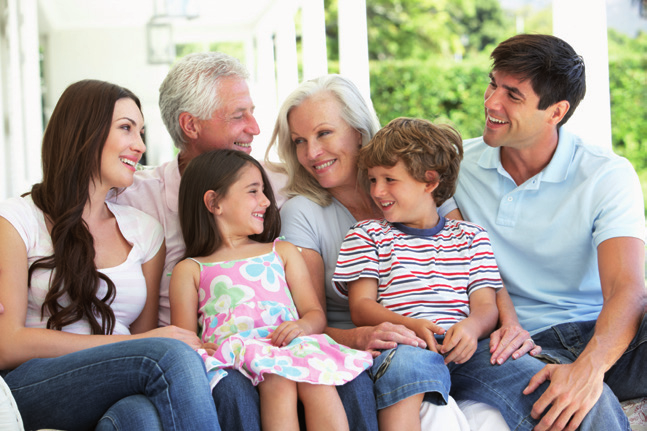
<point>240,303</point>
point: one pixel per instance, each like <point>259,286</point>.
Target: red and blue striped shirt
<point>421,273</point>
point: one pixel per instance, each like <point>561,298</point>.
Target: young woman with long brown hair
<point>79,280</point>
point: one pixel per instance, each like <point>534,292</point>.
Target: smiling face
<point>232,126</point>
<point>124,146</point>
<point>512,118</point>
<point>401,198</point>
<point>242,210</point>
<point>326,146</point>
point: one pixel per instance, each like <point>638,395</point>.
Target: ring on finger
<point>532,342</point>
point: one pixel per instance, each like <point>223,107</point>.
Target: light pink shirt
<point>155,192</point>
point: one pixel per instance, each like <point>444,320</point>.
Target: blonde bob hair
<point>356,112</point>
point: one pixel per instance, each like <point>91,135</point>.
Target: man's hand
<point>511,340</point>
<point>573,391</point>
<point>386,335</point>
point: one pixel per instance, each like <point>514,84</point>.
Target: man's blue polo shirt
<point>545,232</point>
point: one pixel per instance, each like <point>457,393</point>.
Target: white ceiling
<point>67,14</point>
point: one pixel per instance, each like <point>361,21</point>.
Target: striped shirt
<point>421,273</point>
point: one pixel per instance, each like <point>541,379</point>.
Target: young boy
<point>435,276</point>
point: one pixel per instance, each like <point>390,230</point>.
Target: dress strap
<point>280,238</point>
<point>199,263</point>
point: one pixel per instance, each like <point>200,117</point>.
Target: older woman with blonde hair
<point>320,128</point>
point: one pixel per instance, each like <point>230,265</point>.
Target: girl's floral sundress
<point>240,303</point>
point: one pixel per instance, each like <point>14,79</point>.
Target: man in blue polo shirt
<point>566,221</point>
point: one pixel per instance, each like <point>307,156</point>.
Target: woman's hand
<point>384,336</point>
<point>511,340</point>
<point>189,337</point>
<point>286,332</point>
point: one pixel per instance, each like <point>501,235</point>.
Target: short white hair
<point>192,85</point>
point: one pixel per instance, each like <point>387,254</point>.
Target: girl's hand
<point>286,332</point>
<point>210,348</point>
<point>189,337</point>
<point>460,341</point>
<point>426,329</point>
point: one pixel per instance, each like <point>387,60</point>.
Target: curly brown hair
<point>422,146</point>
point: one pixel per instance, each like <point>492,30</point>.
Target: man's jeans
<point>502,385</point>
<point>238,403</point>
<point>149,383</point>
<point>627,378</point>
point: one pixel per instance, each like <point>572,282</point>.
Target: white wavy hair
<point>192,85</point>
<point>356,112</point>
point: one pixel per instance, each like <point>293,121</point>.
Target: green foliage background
<point>429,59</point>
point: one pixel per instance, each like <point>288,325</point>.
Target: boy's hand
<point>286,332</point>
<point>460,341</point>
<point>426,330</point>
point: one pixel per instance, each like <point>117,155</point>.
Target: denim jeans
<point>133,412</point>
<point>74,391</point>
<point>628,376</point>
<point>238,403</point>
<point>406,371</point>
<point>359,403</point>
<point>502,385</point>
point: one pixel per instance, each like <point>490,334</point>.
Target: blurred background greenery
<point>430,59</point>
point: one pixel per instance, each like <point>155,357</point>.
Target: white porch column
<point>315,56</point>
<point>264,91</point>
<point>4,80</point>
<point>287,67</point>
<point>32,112</point>
<point>587,34</point>
<point>15,149</point>
<point>353,44</point>
<point>21,113</point>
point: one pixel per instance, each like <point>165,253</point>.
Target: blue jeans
<point>76,391</point>
<point>502,385</point>
<point>238,402</point>
<point>406,371</point>
<point>628,376</point>
<point>133,412</point>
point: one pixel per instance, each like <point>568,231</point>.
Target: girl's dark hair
<point>71,158</point>
<point>217,170</point>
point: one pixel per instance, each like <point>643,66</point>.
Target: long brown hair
<point>71,157</point>
<point>217,170</point>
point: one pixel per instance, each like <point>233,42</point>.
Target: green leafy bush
<point>443,91</point>
<point>452,92</point>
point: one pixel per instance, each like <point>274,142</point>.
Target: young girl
<point>238,282</point>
